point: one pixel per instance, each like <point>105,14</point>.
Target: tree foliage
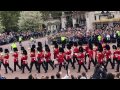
<point>30,20</point>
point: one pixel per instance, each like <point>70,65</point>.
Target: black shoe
<point>86,70</point>
<point>45,71</point>
<point>89,68</point>
<point>52,68</point>
<point>12,71</point>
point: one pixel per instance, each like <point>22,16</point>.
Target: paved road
<point>50,71</point>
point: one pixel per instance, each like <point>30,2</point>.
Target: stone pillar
<point>74,20</point>
<point>89,20</point>
<point>63,20</point>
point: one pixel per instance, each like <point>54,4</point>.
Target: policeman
<point>13,46</point>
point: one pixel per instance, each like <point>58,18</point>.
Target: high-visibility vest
<point>31,39</point>
<point>14,45</point>
<point>99,37</point>
<point>20,38</point>
<point>62,38</point>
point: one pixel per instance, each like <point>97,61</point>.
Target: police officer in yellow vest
<point>13,45</point>
<point>63,41</point>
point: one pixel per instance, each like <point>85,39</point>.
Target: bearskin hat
<point>56,45</point>
<point>24,52</point>
<point>39,44</point>
<point>91,46</point>
<point>114,47</point>
<point>100,49</point>
<point>22,48</point>
<point>15,49</point>
<point>6,51</point>
<point>81,49</point>
<point>75,44</point>
<point>68,46</point>
<point>33,46</point>
<point>1,49</point>
<point>47,50</point>
<point>61,49</point>
<point>80,43</point>
<point>32,50</point>
<point>107,47</point>
<point>118,45</point>
<point>71,43</point>
<point>39,49</point>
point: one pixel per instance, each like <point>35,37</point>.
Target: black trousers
<point>74,61</point>
<point>1,63</point>
<point>67,65</point>
<point>118,65</point>
<point>33,63</point>
<point>16,64</point>
<point>60,66</point>
<point>23,67</point>
<point>39,66</point>
<point>91,61</point>
<point>86,58</point>
<point>79,68</point>
<point>7,66</point>
<point>109,60</point>
<point>114,60</point>
<point>50,63</point>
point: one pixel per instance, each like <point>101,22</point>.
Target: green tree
<point>9,20</point>
<point>30,20</point>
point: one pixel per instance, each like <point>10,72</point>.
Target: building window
<point>95,17</point>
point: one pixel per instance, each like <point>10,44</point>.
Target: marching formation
<point>72,54</point>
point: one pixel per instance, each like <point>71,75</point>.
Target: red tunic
<point>81,58</point>
<point>75,51</point>
<point>115,53</point>
<point>32,55</point>
<point>108,54</point>
<point>6,59</point>
<point>100,57</point>
<point>68,54</point>
<point>56,52</point>
<point>24,59</point>
<point>86,49</point>
<point>60,57</point>
<point>90,53</point>
<point>118,54</point>
<point>15,55</point>
<point>95,52</point>
<point>48,56</point>
<point>40,56</point>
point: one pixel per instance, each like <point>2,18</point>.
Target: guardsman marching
<point>115,54</point>
<point>15,55</point>
<point>108,56</point>
<point>81,59</point>
<point>68,56</point>
<point>24,59</point>
<point>61,58</point>
<point>40,58</point>
<point>6,61</point>
<point>48,57</point>
<point>1,57</point>
<point>33,59</point>
<point>90,55</point>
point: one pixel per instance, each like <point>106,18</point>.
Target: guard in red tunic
<point>33,59</point>
<point>22,49</point>
<point>48,57</point>
<point>81,59</point>
<point>118,58</point>
<point>115,54</point>
<point>75,52</point>
<point>100,56</point>
<point>90,56</point>
<point>6,61</point>
<point>86,51</point>
<point>61,58</point>
<point>24,59</point>
<point>15,55</point>
<point>108,56</point>
<point>56,50</point>
<point>68,56</point>
<point>40,58</point>
<point>1,57</point>
<point>95,51</point>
